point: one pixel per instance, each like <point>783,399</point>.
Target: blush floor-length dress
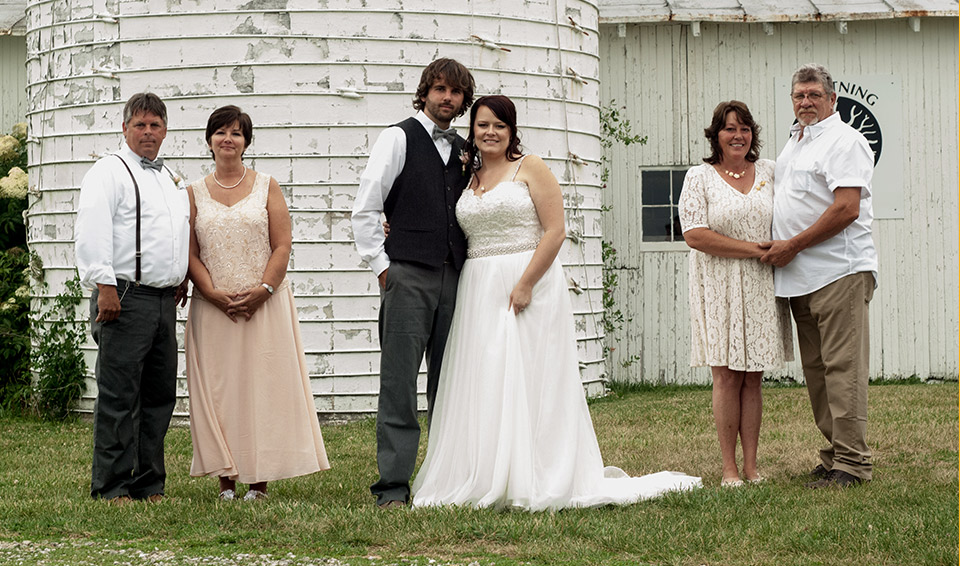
<point>252,415</point>
<point>511,427</point>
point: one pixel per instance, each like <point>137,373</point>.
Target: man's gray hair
<point>144,102</point>
<point>813,73</point>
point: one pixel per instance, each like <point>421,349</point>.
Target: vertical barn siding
<point>669,82</point>
<point>284,63</point>
<point>13,75</point>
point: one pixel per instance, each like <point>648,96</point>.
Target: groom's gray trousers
<point>416,308</point>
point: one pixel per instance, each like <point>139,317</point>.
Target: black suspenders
<point>136,190</point>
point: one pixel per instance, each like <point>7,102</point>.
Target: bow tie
<point>147,164</point>
<point>450,134</point>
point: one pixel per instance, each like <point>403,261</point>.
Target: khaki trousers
<point>833,332</point>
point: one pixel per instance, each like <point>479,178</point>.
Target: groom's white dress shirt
<point>387,158</point>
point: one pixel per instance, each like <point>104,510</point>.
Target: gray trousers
<point>136,391</point>
<point>416,309</point>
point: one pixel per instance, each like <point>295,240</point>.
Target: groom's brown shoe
<point>393,503</point>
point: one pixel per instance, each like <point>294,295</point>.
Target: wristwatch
<point>268,287</point>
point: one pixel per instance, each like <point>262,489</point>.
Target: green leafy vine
<point>614,129</point>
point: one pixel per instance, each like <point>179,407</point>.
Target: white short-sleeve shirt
<point>831,154</point>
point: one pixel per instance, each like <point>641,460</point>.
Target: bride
<point>511,426</point>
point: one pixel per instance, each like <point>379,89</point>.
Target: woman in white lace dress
<point>252,415</point>
<point>738,327</point>
<point>510,425</point>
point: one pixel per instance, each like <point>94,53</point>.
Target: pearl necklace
<point>233,186</point>
<point>730,173</point>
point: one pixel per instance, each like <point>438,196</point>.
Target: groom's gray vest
<point>422,204</point>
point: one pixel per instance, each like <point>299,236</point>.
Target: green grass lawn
<point>907,515</point>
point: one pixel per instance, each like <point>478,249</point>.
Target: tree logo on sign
<point>859,117</point>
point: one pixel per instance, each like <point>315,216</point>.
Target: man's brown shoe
<point>393,503</point>
<point>155,498</point>
<point>120,500</point>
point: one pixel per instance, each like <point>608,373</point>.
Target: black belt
<point>146,289</point>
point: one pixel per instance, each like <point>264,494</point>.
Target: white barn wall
<point>285,65</point>
<point>13,76</point>
<point>670,81</point>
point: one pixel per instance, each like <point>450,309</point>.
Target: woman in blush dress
<point>738,327</point>
<point>511,427</point>
<point>252,415</point>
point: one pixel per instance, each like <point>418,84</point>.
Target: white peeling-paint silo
<point>320,80</point>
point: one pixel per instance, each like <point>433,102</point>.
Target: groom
<point>414,177</point>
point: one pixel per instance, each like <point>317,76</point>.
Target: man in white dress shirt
<point>414,177</point>
<point>827,266</point>
<point>132,240</point>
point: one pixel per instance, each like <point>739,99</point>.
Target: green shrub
<point>14,279</point>
<point>14,331</point>
<point>57,359</point>
<point>50,337</point>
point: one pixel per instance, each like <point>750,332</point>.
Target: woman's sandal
<point>254,495</point>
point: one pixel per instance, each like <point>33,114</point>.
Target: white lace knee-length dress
<point>735,318</point>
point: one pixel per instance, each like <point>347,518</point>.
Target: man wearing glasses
<point>827,266</point>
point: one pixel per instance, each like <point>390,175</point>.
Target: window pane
<point>677,185</point>
<point>656,223</point>
<point>677,230</point>
<point>656,187</point>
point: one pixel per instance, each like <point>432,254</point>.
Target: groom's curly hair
<point>454,74</point>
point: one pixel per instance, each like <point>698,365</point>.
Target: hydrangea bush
<point>15,378</point>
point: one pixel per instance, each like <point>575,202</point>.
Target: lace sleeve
<point>693,201</point>
<point>768,168</point>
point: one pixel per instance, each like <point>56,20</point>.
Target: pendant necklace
<point>233,186</point>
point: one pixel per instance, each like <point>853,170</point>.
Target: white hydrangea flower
<point>20,130</point>
<point>8,147</point>
<point>14,185</point>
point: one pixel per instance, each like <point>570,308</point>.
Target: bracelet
<point>268,287</point>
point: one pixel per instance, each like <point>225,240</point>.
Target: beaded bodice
<point>234,240</point>
<point>501,221</point>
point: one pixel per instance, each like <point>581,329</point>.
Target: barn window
<point>660,192</point>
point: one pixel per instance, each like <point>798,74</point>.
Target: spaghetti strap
<point>517,170</point>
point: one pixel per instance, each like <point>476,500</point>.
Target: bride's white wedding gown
<point>510,425</point>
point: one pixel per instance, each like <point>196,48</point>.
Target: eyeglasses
<point>813,96</point>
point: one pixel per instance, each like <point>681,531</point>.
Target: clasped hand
<point>243,304</point>
<point>779,252</point>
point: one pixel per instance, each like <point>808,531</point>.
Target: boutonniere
<point>464,159</point>
<point>177,180</point>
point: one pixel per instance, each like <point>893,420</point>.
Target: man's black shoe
<point>836,478</point>
<point>819,472</point>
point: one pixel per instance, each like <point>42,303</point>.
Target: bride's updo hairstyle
<point>504,109</point>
